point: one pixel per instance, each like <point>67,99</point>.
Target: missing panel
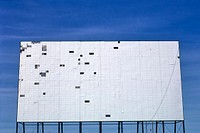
<point>62,65</point>
<point>81,73</point>
<point>87,101</point>
<point>36,83</point>
<point>77,87</point>
<point>22,95</point>
<point>37,66</point>
<point>29,46</point>
<point>44,47</point>
<point>43,74</point>
<point>28,55</point>
<point>34,42</point>
<point>107,115</point>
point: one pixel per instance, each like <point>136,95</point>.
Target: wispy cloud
<point>7,109</point>
<point>6,57</point>
<point>7,91</point>
<point>133,26</point>
<point>8,76</point>
<point>143,25</point>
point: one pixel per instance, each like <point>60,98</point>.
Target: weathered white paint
<point>139,81</point>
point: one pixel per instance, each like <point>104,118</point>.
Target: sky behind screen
<point>22,20</point>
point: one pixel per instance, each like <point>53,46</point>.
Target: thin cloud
<point>7,91</point>
<point>8,58</point>
<point>7,76</point>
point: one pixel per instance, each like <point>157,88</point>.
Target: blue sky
<point>99,20</point>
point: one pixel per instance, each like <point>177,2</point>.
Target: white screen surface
<point>99,81</point>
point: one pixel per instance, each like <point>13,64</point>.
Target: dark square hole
<point>91,53</point>
<point>37,66</point>
<point>44,93</point>
<point>42,74</point>
<point>28,55</point>
<point>77,87</point>
<point>87,101</point>
<point>115,47</point>
<point>81,72</point>
<point>107,115</point>
<point>95,72</point>
<point>22,95</point>
<point>81,55</point>
<point>22,50</point>
<point>36,83</point>
<point>34,42</point>
<point>71,51</point>
<point>44,48</point>
<point>62,65</point>
<point>44,53</point>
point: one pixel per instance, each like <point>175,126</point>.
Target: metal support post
<point>174,126</point>
<point>156,126</point>
<point>121,127</point>
<point>61,127</point>
<point>42,127</point>
<point>23,127</point>
<point>138,126</point>
<point>118,126</point>
<point>142,127</point>
<point>183,126</point>
<point>100,127</point>
<point>38,127</point>
<point>80,127</point>
<point>163,126</point>
<point>58,127</point>
<point>16,127</point>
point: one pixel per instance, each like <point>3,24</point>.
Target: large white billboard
<point>99,81</point>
